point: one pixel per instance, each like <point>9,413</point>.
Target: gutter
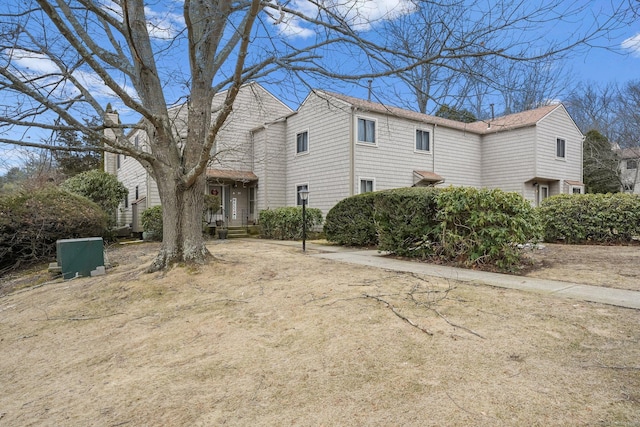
<point>352,154</point>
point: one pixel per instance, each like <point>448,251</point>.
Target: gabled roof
<point>630,153</point>
<point>511,121</point>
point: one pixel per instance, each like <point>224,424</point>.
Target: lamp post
<point>304,196</point>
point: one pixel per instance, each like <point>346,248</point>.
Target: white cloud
<point>360,15</point>
<point>632,44</point>
<point>32,65</point>
<point>164,25</point>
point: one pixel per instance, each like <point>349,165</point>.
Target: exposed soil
<point>266,335</point>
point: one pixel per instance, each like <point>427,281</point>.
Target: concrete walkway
<point>617,297</point>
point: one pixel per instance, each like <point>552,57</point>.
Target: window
<point>117,161</point>
<point>632,164</point>
<point>560,148</point>
<point>137,193</point>
<point>422,140</point>
<point>576,190</point>
<point>126,201</point>
<point>302,142</point>
<point>367,186</point>
<point>298,189</point>
<point>367,131</point>
<point>136,142</point>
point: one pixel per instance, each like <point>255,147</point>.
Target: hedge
<point>32,222</point>
<point>463,225</point>
<point>286,223</point>
<point>591,218</point>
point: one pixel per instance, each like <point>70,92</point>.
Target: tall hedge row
<point>286,223</point>
<point>465,225</point>
<point>32,222</point>
<point>591,218</point>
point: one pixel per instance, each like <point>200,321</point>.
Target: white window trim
<point>430,150</point>
<point>296,192</point>
<point>375,135</point>
<point>565,148</point>
<point>364,178</point>
<point>573,187</point>
<point>295,144</point>
<point>539,195</point>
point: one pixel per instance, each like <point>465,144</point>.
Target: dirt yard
<point>608,266</point>
<point>266,335</point>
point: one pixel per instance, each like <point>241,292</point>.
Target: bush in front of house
<point>350,221</point>
<point>286,223</point>
<point>31,223</point>
<point>463,225</point>
<point>98,186</point>
<point>481,226</point>
<point>151,219</point>
<point>405,220</point>
<point>591,218</point>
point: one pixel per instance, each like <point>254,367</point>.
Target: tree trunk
<point>182,237</point>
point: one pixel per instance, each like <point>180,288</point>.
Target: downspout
<point>352,153</point>
<point>433,150</point>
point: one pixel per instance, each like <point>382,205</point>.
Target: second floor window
<point>367,131</point>
<point>422,140</point>
<point>302,142</point>
<point>560,148</point>
<point>632,164</point>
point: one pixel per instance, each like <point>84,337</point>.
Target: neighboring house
<point>337,146</point>
<point>630,170</point>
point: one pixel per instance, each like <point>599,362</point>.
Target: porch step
<point>237,232</point>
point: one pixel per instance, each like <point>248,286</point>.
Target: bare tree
<point>459,53</point>
<point>60,59</point>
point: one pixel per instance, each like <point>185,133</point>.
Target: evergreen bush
<point>31,223</point>
<point>286,223</point>
<point>591,218</point>
<point>151,219</point>
<point>350,221</point>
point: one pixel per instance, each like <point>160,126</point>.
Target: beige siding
<point>558,124</point>
<point>508,159</point>
<point>253,107</point>
<point>270,165</point>
<point>457,157</point>
<point>325,168</point>
<point>392,160</point>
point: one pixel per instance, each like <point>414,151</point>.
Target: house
<point>629,170</point>
<point>336,146</point>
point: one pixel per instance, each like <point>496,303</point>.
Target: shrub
<point>32,222</point>
<point>151,219</point>
<point>406,221</point>
<point>462,225</point>
<point>99,187</point>
<point>594,218</point>
<point>484,226</point>
<point>350,221</point>
<point>286,223</point>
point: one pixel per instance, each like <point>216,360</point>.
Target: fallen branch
<point>397,313</point>
<point>471,331</point>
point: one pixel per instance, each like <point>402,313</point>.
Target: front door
<point>543,193</point>
<point>238,206</point>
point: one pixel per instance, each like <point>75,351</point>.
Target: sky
<point>618,65</point>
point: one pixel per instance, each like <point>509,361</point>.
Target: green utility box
<point>79,257</point>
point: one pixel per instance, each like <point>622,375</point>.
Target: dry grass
<point>266,335</point>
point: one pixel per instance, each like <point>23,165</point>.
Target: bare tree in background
<point>60,59</point>
<point>469,50</point>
